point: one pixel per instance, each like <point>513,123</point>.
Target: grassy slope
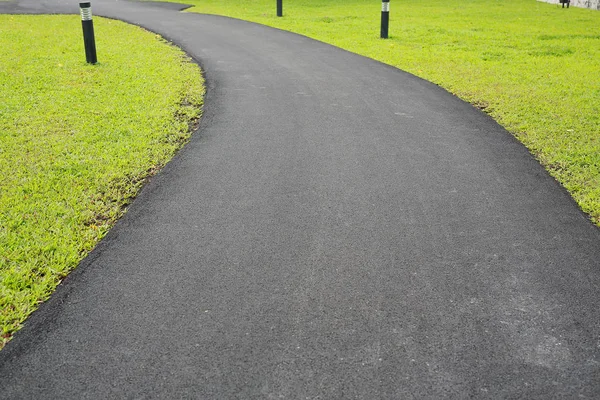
<point>533,66</point>
<point>76,142</point>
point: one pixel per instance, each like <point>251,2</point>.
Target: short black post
<point>88,32</point>
<point>280,8</point>
<point>385,18</point>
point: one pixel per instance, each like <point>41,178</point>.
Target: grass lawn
<point>533,66</point>
<point>77,141</point>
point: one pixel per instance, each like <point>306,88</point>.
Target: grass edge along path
<point>533,67</point>
<point>77,142</point>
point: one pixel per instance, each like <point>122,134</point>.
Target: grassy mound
<point>77,141</point>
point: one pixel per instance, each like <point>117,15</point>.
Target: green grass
<point>77,141</point>
<point>532,66</point>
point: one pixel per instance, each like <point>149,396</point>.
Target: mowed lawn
<point>77,141</point>
<point>533,66</point>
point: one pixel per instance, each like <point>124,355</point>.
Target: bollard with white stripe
<point>385,18</point>
<point>280,8</point>
<point>89,40</point>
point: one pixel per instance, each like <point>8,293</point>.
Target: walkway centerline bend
<point>336,228</point>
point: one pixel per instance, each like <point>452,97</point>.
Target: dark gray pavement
<point>335,229</point>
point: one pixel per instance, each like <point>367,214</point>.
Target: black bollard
<point>385,18</point>
<point>89,40</point>
<point>280,8</point>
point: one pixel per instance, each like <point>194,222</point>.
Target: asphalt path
<point>336,228</point>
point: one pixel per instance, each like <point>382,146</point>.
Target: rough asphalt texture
<point>336,229</point>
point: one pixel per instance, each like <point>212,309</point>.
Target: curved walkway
<point>336,229</point>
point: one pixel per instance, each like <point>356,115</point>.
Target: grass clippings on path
<point>77,142</point>
<point>533,66</point>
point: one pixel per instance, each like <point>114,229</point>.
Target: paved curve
<point>336,229</point>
